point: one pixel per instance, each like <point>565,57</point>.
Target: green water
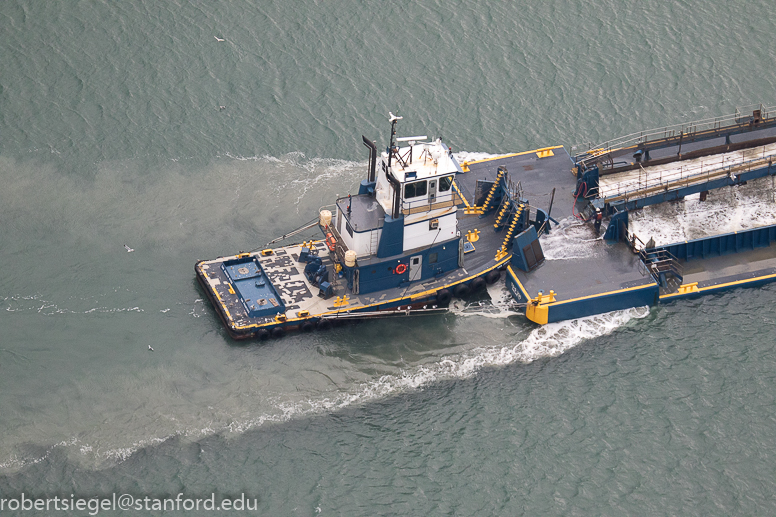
<point>111,133</point>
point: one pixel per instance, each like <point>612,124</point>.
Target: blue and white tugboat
<point>421,230</point>
<point>424,229</point>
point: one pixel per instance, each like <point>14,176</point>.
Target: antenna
<point>412,140</point>
<point>393,119</point>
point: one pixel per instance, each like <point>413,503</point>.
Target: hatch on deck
<point>251,284</point>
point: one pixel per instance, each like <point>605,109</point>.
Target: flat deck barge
<point>621,270</point>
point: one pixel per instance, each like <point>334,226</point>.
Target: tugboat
<point>421,230</point>
<point>424,229</point>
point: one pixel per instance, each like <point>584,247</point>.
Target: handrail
<point>685,175</point>
<point>661,261</point>
<point>444,197</point>
<point>687,129</point>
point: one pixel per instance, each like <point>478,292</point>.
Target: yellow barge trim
<point>542,150</point>
<point>538,309</point>
<point>689,287</point>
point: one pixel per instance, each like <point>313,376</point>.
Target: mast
<point>393,119</point>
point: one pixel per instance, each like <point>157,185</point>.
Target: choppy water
<point>111,133</point>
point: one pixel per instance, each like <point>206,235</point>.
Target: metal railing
<point>687,174</point>
<point>660,263</point>
<point>686,130</point>
<point>421,204</point>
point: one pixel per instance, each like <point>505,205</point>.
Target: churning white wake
<point>725,210</point>
<point>547,341</point>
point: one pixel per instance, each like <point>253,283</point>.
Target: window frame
<point>414,185</point>
<point>449,185</point>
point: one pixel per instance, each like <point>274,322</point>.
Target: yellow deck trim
<point>539,312</point>
<point>359,307</point>
<point>718,286</point>
<point>589,297</point>
<point>519,284</point>
<point>515,154</point>
<point>218,296</point>
<point>541,153</point>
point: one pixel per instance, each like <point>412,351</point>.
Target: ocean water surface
<point>132,123</point>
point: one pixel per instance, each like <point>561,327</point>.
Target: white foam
<point>570,239</point>
<point>500,305</point>
<point>35,303</point>
<point>547,341</point>
<point>650,176</point>
<point>465,156</point>
<point>725,211</point>
<point>308,174</point>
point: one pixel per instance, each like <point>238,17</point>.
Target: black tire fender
<point>278,332</point>
<point>493,276</point>
<point>461,291</point>
<point>477,284</point>
<point>323,325</point>
<point>443,297</point>
<point>262,334</point>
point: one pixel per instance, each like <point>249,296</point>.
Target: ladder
<point>664,268</point>
<point>515,223</point>
<point>373,243</point>
<point>504,211</point>
<point>486,206</point>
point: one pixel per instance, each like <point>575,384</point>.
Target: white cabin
<point>423,173</point>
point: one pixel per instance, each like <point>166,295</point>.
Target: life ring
<point>331,242</point>
<point>400,269</point>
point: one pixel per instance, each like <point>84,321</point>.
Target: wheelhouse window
<point>445,183</point>
<point>415,189</point>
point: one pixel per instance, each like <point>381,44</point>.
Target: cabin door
<point>416,264</point>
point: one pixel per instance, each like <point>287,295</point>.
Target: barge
<point>424,229</point>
